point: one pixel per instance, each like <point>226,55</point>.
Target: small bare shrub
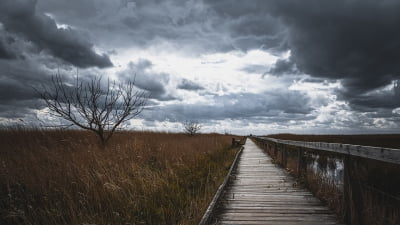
<point>191,127</point>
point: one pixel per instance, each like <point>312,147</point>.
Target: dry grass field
<point>65,177</point>
<point>377,140</point>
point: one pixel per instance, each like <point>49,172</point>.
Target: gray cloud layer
<point>20,17</point>
<point>189,85</point>
<point>245,106</point>
<point>354,41</point>
<point>154,83</point>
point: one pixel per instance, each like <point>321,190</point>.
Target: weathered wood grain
<point>261,193</point>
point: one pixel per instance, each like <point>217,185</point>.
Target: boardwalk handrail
<point>377,153</point>
<point>205,220</point>
<point>358,200</point>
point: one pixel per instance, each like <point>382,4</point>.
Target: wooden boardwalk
<point>261,193</point>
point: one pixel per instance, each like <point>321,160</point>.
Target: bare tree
<point>92,106</point>
<point>191,127</point>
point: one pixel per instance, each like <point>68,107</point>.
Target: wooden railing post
<point>233,142</point>
<point>299,161</point>
<point>283,155</point>
<point>352,196</point>
<point>270,148</point>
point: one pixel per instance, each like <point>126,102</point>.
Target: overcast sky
<point>311,66</point>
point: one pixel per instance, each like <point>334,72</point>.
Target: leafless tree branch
<point>93,107</point>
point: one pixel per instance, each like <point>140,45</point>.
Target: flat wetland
<point>66,177</point>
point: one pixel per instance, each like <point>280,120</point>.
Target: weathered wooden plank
<point>279,209</point>
<point>273,223</point>
<point>269,203</point>
<point>261,193</point>
<point>277,216</point>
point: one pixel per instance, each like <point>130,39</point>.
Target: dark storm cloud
<point>23,77</point>
<point>283,67</point>
<point>249,25</point>
<point>186,25</point>
<point>355,41</point>
<point>189,85</point>
<point>11,90</point>
<point>20,17</point>
<point>192,26</point>
<point>5,51</point>
<point>387,98</point>
<point>18,79</point>
<point>145,79</point>
<point>19,108</point>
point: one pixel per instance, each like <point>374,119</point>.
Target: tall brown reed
<point>65,177</point>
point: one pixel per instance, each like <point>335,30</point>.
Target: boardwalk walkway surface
<point>262,193</point>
